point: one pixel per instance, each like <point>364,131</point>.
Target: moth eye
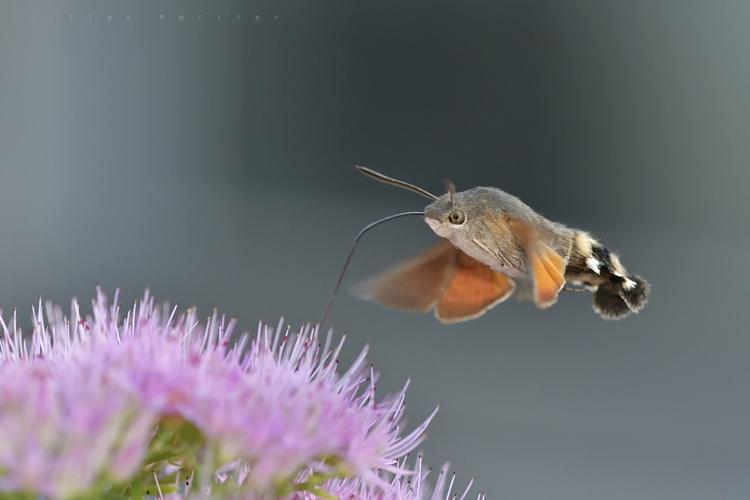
<point>457,217</point>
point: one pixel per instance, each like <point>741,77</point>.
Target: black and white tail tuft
<point>620,294</point>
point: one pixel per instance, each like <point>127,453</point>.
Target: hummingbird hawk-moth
<point>495,246</point>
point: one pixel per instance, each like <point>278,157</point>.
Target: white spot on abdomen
<point>593,264</point>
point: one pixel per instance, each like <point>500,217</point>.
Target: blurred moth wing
<point>413,285</point>
<point>548,271</point>
<point>472,289</point>
<point>546,265</point>
<point>444,279</point>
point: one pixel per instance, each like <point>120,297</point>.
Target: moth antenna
<point>351,253</point>
<point>450,188</point>
<point>395,182</point>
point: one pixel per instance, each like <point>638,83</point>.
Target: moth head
<point>461,217</point>
<point>449,215</point>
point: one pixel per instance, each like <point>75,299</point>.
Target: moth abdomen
<point>617,293</point>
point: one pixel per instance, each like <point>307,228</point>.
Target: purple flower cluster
<point>66,423</point>
<point>413,485</point>
<point>119,405</point>
<point>410,484</point>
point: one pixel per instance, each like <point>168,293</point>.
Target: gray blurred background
<point>211,161</point>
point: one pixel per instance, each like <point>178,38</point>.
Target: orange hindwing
<point>457,286</point>
<point>548,271</point>
<point>472,289</point>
